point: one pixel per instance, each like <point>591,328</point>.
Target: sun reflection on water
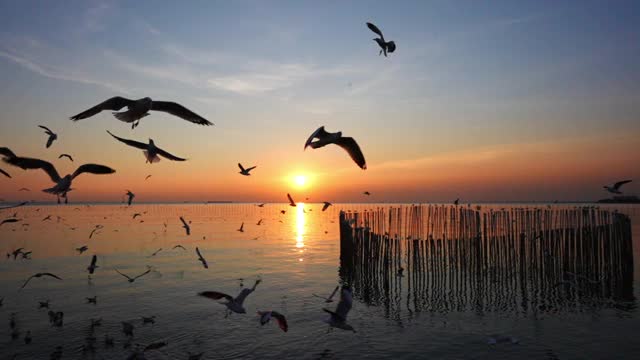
<point>300,226</point>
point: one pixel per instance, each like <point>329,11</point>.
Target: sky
<point>482,101</point>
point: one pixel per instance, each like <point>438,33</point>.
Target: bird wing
<point>5,173</point>
<point>133,143</point>
<point>319,133</point>
<point>344,306</point>
<point>184,222</point>
<point>199,254</point>
<point>148,176</point>
<point>291,202</point>
<point>620,183</point>
<point>143,274</point>
<point>115,103</point>
<point>94,260</point>
<point>251,168</point>
<point>26,282</point>
<point>47,130</point>
<point>326,206</point>
<point>169,156</point>
<point>351,146</point>
<point>375,30</point>
<point>180,111</point>
<point>240,166</point>
<point>214,295</point>
<point>282,321</point>
<point>179,246</point>
<point>65,155</point>
<point>6,152</point>
<point>50,140</point>
<point>30,163</point>
<point>128,278</point>
<point>92,169</point>
<point>333,293</point>
<point>243,295</point>
<point>51,275</point>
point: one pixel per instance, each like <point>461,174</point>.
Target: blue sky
<point>467,76</point>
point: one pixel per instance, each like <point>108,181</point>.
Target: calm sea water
<point>296,254</point>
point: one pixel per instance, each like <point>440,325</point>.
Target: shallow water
<point>296,255</point>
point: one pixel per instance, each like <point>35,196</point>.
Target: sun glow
<point>300,180</point>
<point>300,226</point>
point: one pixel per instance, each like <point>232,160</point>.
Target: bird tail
<point>151,159</point>
<point>125,116</point>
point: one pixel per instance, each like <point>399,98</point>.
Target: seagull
<point>52,136</point>
<point>385,46</point>
<point>367,193</point>
<point>260,205</point>
<point>326,205</point>
<point>330,298</point>
<point>16,252</point>
<point>136,215</point>
<point>92,267</point>
<point>130,279</point>
<point>244,171</point>
<point>338,318</point>
<point>202,259</point>
<point>65,155</point>
<point>347,143</point>
<point>150,150</point>
<point>291,202</point>
<point>186,226</point>
<point>241,228</point>
<point>259,222</point>
<point>39,275</point>
<point>27,255</point>
<point>232,304</point>
<point>98,227</point>
<point>265,316</point>
<point>615,189</point>
<point>137,109</point>
<point>283,211</point>
<point>147,177</point>
<point>179,247</point>
<point>5,173</point>
<point>63,184</point>
<point>8,221</point>
<point>43,304</point>
<point>131,196</point>
<point>48,217</point>
<point>92,300</point>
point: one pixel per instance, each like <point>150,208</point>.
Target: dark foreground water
<point>296,254</point>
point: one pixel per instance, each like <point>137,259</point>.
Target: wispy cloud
<point>95,16</point>
<point>57,73</point>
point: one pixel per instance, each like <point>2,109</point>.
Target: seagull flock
<point>136,110</point>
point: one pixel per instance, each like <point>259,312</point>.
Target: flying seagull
<point>5,173</point>
<point>347,143</point>
<point>330,298</point>
<point>244,171</point>
<point>291,202</point>
<point>39,275</point>
<point>615,189</point>
<point>137,109</point>
<point>186,226</point>
<point>82,249</point>
<point>179,247</point>
<point>132,279</point>
<point>385,46</point>
<point>367,193</point>
<point>92,267</point>
<point>52,136</point>
<point>326,205</point>
<point>232,304</point>
<point>150,150</point>
<point>131,196</point>
<point>338,318</point>
<point>8,221</point>
<point>147,177</point>
<point>63,184</point>
<point>241,228</point>
<point>156,252</point>
<point>265,316</point>
<point>67,156</point>
<point>202,259</point>
<point>260,205</point>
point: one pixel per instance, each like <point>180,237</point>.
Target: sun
<point>300,180</point>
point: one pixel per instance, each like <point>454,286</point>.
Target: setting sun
<point>300,180</point>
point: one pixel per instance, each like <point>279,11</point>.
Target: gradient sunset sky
<point>483,101</point>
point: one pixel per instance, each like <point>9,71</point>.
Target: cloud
<point>94,17</point>
<point>57,73</point>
